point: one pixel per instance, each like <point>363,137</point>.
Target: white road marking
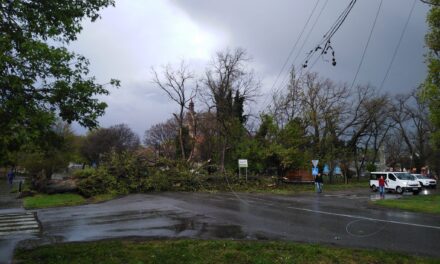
<point>18,223</point>
<point>29,226</point>
<point>13,232</point>
<point>15,216</point>
<point>344,196</point>
<point>363,218</point>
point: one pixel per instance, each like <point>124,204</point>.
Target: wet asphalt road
<point>339,218</point>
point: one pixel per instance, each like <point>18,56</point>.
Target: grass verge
<point>421,203</point>
<point>196,251</point>
<point>69,199</point>
<point>52,200</point>
<point>64,199</point>
<point>287,189</point>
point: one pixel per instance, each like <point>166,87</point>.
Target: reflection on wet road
<point>342,218</point>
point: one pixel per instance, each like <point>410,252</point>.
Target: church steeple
<point>191,106</point>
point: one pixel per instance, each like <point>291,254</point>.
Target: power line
<point>305,41</point>
<point>366,46</point>
<point>325,45</point>
<point>398,44</point>
<point>430,2</point>
<point>311,29</point>
<point>283,82</point>
<point>294,47</point>
<point>326,40</point>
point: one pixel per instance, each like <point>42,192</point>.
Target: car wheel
<point>399,190</point>
<point>374,188</point>
<point>416,192</point>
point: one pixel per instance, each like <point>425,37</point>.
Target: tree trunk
<point>194,136</point>
<point>223,154</point>
<point>182,147</point>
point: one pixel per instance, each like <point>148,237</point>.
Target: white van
<point>395,181</point>
<point>425,181</point>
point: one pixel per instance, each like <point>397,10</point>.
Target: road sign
<point>338,170</point>
<point>315,171</point>
<point>326,169</point>
<point>242,163</point>
<point>315,163</point>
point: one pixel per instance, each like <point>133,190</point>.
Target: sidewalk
<point>15,223</point>
<point>8,201</point>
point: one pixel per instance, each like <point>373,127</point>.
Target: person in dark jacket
<point>10,177</point>
<point>318,183</point>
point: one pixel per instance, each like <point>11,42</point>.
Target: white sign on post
<point>242,163</point>
<point>315,163</point>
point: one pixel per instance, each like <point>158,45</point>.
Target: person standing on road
<point>10,177</point>
<point>318,183</point>
<point>382,184</point>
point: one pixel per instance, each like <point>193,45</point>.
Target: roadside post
<point>242,163</point>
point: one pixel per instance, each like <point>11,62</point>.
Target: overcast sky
<point>139,34</point>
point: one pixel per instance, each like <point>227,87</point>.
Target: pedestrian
<point>10,177</point>
<point>318,183</point>
<point>382,184</point>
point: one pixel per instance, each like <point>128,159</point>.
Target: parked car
<point>395,181</point>
<point>425,181</point>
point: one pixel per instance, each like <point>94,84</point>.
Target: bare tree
<point>370,133</point>
<point>229,86</point>
<point>411,117</point>
<point>175,84</point>
<point>323,102</point>
<point>338,119</point>
<point>286,105</point>
<point>116,138</point>
<point>161,138</point>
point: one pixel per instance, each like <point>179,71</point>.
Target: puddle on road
<point>185,224</point>
<point>227,231</point>
<point>152,224</point>
<point>391,195</point>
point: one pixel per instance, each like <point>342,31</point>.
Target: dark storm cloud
<point>269,29</point>
<point>139,34</point>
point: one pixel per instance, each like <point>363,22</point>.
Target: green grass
<point>288,189</point>
<point>422,203</point>
<point>196,251</point>
<point>64,199</point>
<point>102,198</point>
<point>52,200</point>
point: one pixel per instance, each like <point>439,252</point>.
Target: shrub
<point>157,181</point>
<point>83,174</point>
<point>96,181</point>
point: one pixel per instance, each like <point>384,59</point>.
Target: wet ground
<point>15,223</point>
<point>339,218</point>
<point>9,200</point>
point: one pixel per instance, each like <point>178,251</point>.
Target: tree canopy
<point>431,91</point>
<point>40,78</point>
<point>118,138</point>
